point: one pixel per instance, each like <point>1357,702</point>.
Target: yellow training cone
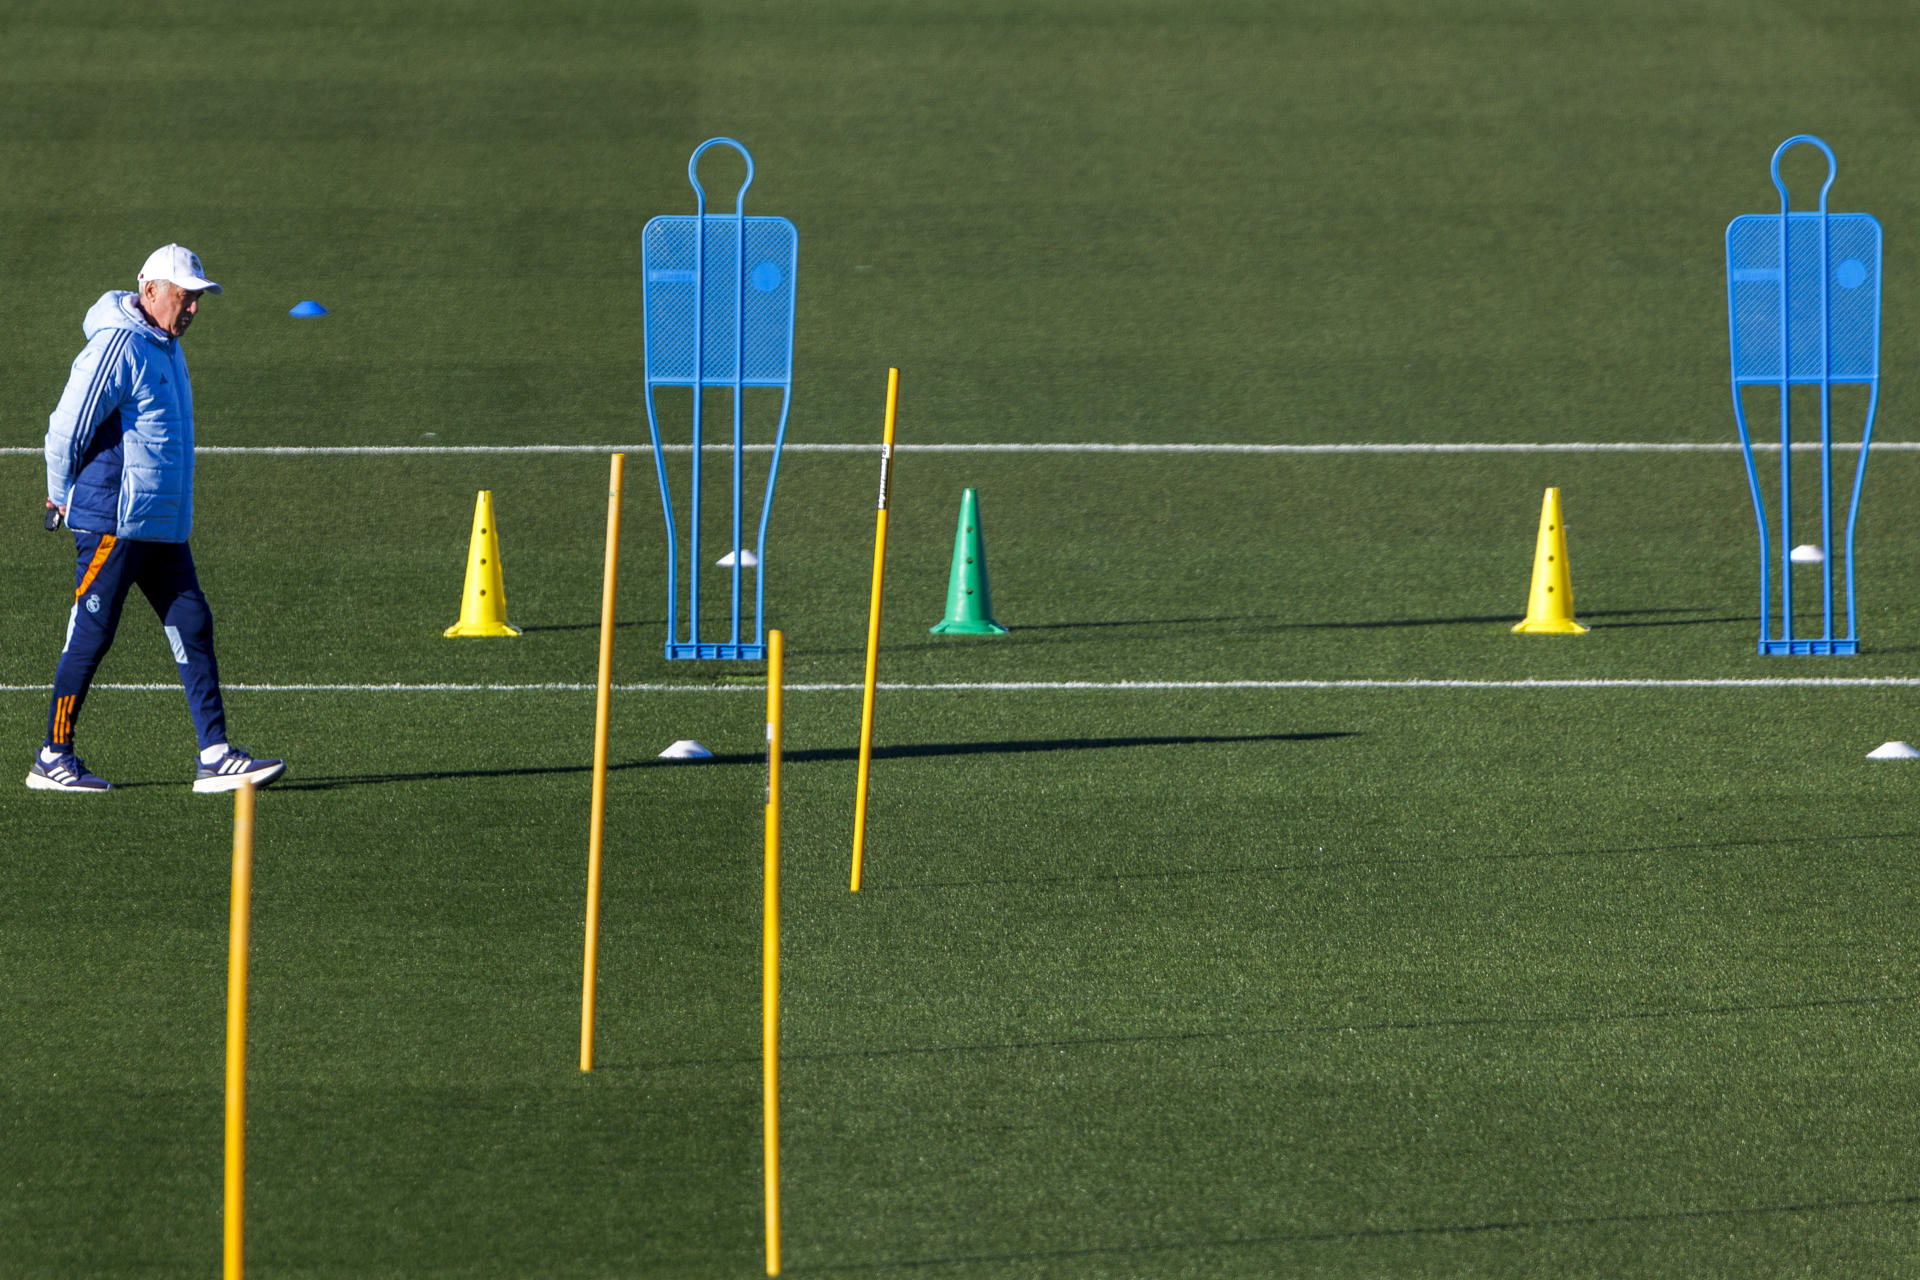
<point>483,604</point>
<point>1550,602</point>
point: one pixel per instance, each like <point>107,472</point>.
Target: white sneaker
<point>62,772</point>
<point>235,768</point>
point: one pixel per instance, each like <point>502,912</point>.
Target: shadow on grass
<point>591,626</point>
<point>1749,619</point>
<point>1592,1017</point>
<point>906,751</point>
<point>1723,1214</point>
<point>1344,864</point>
<point>1150,622</point>
<point>1276,622</point>
<point>1511,618</point>
<point>1367,624</point>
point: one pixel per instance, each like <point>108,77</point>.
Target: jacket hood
<point>117,309</point>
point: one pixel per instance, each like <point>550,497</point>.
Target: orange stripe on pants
<point>93,566</point>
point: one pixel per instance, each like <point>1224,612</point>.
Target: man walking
<point>120,472</point>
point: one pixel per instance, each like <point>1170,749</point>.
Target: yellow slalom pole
<point>873,633</point>
<point>602,713</point>
<point>770,955</point>
<point>239,932</point>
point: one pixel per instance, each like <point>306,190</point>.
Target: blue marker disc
<point>308,308</point>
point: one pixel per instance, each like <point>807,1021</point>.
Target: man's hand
<point>55,514</point>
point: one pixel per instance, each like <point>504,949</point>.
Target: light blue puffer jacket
<point>120,442</point>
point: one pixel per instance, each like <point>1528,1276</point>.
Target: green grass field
<point>1381,979</point>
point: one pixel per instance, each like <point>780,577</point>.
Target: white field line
<point>1053,686</point>
<point>407,450</point>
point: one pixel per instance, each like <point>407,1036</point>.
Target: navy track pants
<point>108,567</point>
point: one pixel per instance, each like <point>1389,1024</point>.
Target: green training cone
<point>969,611</point>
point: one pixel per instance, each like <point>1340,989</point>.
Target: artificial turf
<point>1330,981</point>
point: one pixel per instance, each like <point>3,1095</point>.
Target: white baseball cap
<point>179,264</point>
